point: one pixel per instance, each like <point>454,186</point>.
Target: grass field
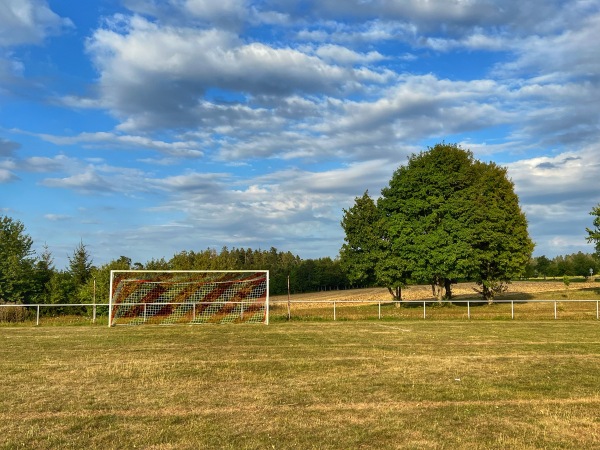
<point>410,384</point>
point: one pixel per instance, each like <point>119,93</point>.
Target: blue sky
<point>143,127</point>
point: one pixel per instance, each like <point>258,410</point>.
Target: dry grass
<point>517,289</point>
<point>525,296</point>
<point>368,384</point>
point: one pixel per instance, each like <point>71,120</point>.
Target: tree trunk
<point>436,288</point>
<point>488,294</point>
<point>448,287</point>
<point>396,293</point>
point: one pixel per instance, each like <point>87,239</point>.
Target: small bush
<point>13,313</point>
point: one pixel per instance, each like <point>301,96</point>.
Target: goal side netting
<point>188,296</point>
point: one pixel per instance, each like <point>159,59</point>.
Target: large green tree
<point>445,216</point>
<point>17,261</point>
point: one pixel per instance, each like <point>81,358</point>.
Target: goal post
<point>188,296</point>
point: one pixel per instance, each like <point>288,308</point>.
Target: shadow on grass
<point>594,290</point>
<point>522,299</point>
<point>468,301</point>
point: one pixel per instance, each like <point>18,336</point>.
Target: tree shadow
<point>469,300</point>
<point>595,290</point>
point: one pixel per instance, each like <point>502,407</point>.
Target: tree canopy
<point>594,233</point>
<point>17,261</point>
<point>445,216</point>
<point>576,264</point>
<point>80,264</point>
<point>358,253</point>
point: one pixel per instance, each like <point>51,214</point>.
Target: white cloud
<point>558,178</point>
<point>197,183</point>
<point>342,55</point>
<point>218,12</point>
<point>459,17</point>
<point>95,177</point>
<point>157,76</point>
<point>367,32</point>
<point>421,106</point>
<point>86,182</point>
<point>475,41</point>
<point>557,193</point>
<point>28,22</point>
<point>224,14</point>
<point>6,176</point>
<point>23,23</point>
<point>414,108</point>
<point>56,217</point>
<point>564,56</point>
<point>44,164</point>
<point>107,139</point>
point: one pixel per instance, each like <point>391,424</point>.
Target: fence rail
<point>316,308</point>
<point>432,304</point>
<point>38,306</point>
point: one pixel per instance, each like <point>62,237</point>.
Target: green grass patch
<point>414,384</point>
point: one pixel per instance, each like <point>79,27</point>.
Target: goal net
<point>188,296</point>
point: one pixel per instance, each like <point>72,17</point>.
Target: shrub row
<point>13,313</point>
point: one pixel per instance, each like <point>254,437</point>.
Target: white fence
<point>38,307</point>
<point>288,308</point>
<point>429,304</point>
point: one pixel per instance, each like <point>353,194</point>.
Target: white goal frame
<point>215,296</point>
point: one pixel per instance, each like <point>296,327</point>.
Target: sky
<point>144,128</point>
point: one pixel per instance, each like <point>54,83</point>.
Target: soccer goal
<point>188,296</point>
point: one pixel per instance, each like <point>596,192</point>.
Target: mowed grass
<point>414,384</point>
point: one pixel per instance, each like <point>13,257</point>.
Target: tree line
<point>574,265</point>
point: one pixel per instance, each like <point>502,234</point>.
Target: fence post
<point>468,310</point>
<point>596,309</point>
<point>424,310</point>
<point>554,310</point>
<point>379,309</point>
<point>37,318</point>
<point>512,309</point>
<point>94,314</point>
<point>334,310</point>
<point>289,309</point>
